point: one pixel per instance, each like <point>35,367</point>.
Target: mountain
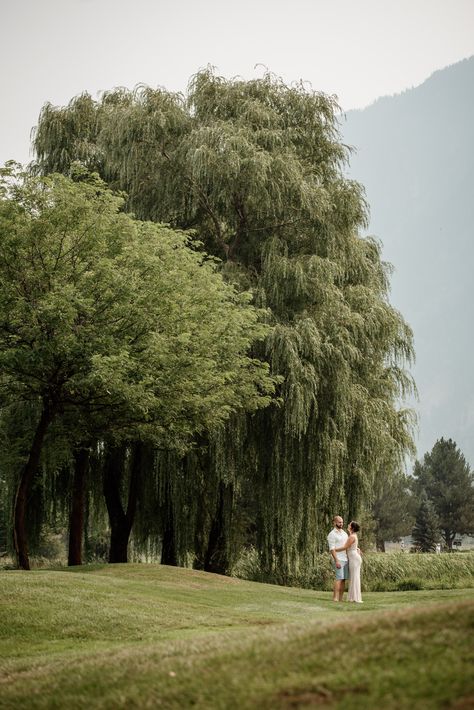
<point>415,157</point>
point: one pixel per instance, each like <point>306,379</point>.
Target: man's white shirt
<point>338,538</point>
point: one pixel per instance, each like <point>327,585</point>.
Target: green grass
<point>137,636</point>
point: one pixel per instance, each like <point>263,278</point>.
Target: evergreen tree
<point>447,480</point>
<point>256,170</point>
<point>393,508</point>
<point>426,531</point>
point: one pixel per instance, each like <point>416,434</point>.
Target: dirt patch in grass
<point>298,698</point>
<point>466,703</point>
<point>315,696</point>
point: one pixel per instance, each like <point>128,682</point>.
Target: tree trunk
<point>87,542</point>
<point>76,518</point>
<point>449,537</point>
<point>217,553</point>
<point>169,552</point>
<point>121,522</point>
<point>168,549</point>
<point>203,493</point>
<point>200,541</point>
<point>21,498</point>
<point>380,544</point>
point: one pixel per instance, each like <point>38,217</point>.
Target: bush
<point>408,585</point>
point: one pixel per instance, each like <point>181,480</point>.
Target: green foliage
<point>256,170</point>
<point>446,479</point>
<point>114,327</point>
<point>426,531</point>
<point>393,507</point>
<point>108,314</point>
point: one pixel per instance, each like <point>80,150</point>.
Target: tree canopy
<point>256,170</point>
<point>116,326</point>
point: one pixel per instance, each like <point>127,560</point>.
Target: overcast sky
<point>51,50</point>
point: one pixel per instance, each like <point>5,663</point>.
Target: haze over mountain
<point>415,157</point>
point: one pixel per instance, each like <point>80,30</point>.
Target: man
<point>337,538</point>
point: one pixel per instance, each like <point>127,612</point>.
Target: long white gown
<point>355,562</point>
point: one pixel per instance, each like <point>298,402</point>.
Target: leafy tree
<point>256,169</point>
<point>426,531</point>
<point>114,325</point>
<point>393,508</point>
<point>448,482</point>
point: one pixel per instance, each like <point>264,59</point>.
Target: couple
<point>346,559</point>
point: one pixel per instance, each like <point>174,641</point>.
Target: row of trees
<point>434,504</point>
<point>444,484</point>
<point>112,331</point>
<point>251,173</point>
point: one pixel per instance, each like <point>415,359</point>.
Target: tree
<point>393,508</point>
<point>117,325</point>
<point>256,169</point>
<point>426,532</point>
<point>448,482</point>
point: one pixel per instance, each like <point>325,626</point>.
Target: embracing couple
<point>346,559</point>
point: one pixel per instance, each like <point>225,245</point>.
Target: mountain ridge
<point>444,73</point>
<point>414,156</point>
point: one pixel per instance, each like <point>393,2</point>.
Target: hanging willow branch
<point>255,168</point>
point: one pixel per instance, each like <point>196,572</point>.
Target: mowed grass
<point>133,636</point>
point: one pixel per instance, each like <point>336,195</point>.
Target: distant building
<point>464,542</point>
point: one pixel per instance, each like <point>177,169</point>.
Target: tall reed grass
<point>380,571</point>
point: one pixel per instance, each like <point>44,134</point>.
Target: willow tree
<point>256,169</point>
<point>114,324</point>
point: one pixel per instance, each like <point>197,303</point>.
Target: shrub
<point>408,585</point>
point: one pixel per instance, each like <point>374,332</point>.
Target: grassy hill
<point>135,636</point>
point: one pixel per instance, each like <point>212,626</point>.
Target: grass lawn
<point>138,636</point>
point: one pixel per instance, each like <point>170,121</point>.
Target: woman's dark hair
<point>355,527</point>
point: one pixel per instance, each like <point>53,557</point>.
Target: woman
<point>355,561</point>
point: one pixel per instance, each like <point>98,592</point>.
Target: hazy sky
<point>51,50</point>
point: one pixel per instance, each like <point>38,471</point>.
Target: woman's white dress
<point>355,562</point>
